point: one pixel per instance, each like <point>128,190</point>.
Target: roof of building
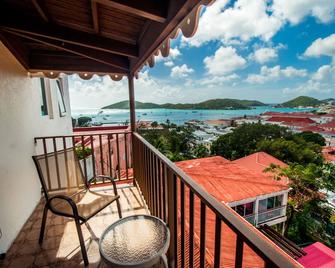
<point>229,181</point>
<point>318,255</point>
<point>257,162</point>
<point>290,119</point>
<point>330,124</point>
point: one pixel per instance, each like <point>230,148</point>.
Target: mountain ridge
<point>212,104</point>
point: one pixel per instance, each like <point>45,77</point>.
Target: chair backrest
<point>60,172</point>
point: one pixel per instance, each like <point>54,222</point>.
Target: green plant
<point>83,152</point>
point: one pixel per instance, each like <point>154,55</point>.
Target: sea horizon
<point>176,116</point>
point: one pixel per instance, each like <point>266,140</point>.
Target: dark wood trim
<point>41,60</point>
<point>150,9</point>
<point>132,102</point>
<point>156,33</point>
<point>63,34</point>
<point>99,56</point>
<point>95,18</point>
<point>16,47</point>
<point>40,10</point>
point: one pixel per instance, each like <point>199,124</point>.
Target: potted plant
<point>85,153</point>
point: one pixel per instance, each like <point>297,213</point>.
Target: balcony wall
<point>21,121</point>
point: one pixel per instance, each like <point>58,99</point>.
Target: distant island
<point>214,104</point>
<point>302,101</point>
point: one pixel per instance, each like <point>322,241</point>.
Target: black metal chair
<point>67,192</point>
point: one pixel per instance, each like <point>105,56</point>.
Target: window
<point>43,99</point>
<point>270,203</point>
<point>245,209</point>
<point>60,97</point>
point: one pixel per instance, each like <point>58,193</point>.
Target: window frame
<point>60,96</point>
<point>43,99</point>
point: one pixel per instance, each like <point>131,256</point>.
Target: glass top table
<point>135,241</point>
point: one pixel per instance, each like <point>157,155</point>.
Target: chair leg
<point>44,219</point>
<point>119,208</point>
<point>81,241</point>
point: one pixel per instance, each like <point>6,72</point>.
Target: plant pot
<point>89,167</point>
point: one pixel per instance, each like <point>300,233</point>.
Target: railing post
<point>172,217</point>
<point>132,103</point>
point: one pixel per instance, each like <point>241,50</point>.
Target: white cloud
<point>322,46</point>
<point>271,74</point>
<point>169,63</point>
<point>264,54</point>
<point>224,61</point>
<point>218,80</point>
<point>244,20</point>
<point>181,71</point>
<point>321,82</point>
<point>174,54</point>
<point>325,73</point>
<point>295,10</point>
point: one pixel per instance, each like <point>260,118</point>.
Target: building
<point>243,186</point>
<point>256,197</point>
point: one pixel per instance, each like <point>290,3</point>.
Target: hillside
<point>303,101</point>
<point>138,105</point>
<point>215,104</point>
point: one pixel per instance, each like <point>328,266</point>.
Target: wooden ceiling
<point>115,37</point>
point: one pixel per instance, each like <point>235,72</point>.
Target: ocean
<point>179,117</point>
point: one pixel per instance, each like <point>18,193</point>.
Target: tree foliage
<point>244,139</point>
<point>310,136</point>
<point>309,216</point>
<point>84,121</point>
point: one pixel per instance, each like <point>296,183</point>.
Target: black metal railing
<point>199,224</point>
<point>105,153</point>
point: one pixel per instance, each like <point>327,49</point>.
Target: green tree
<point>310,136</point>
<point>84,121</point>
<point>74,122</point>
<point>200,151</point>
<point>295,150</point>
<point>154,124</point>
<point>243,140</point>
<point>309,216</point>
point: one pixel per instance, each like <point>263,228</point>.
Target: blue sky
<point>271,51</point>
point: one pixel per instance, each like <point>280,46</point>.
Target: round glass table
<point>135,241</point>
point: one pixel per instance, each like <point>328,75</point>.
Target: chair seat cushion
<point>88,203</point>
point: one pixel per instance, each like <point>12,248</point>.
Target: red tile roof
<point>229,181</point>
<point>257,162</point>
<point>290,119</point>
<point>318,255</point>
<point>328,153</point>
<point>330,124</point>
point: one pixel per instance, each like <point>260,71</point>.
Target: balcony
<point>266,216</point>
<point>204,232</point>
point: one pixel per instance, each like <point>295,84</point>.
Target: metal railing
<point>107,153</point>
<point>194,216</point>
<point>266,216</point>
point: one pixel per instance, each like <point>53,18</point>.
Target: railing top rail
<point>251,235</point>
<point>81,134</point>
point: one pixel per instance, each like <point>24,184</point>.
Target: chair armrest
<point>68,200</point>
<point>108,178</point>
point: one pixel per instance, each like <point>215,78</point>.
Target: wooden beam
<point>156,33</point>
<point>40,10</point>
<point>16,47</point>
<point>150,9</point>
<point>95,18</point>
<point>99,56</point>
<point>132,103</point>
<point>67,63</point>
<point>59,33</point>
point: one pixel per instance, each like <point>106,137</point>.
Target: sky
<point>267,50</point>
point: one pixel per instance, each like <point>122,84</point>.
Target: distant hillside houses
<point>323,124</point>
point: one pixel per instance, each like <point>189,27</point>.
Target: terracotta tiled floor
<point>61,245</point>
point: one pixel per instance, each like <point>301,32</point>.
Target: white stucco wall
<point>20,122</point>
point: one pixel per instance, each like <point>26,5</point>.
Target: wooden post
<point>132,103</point>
